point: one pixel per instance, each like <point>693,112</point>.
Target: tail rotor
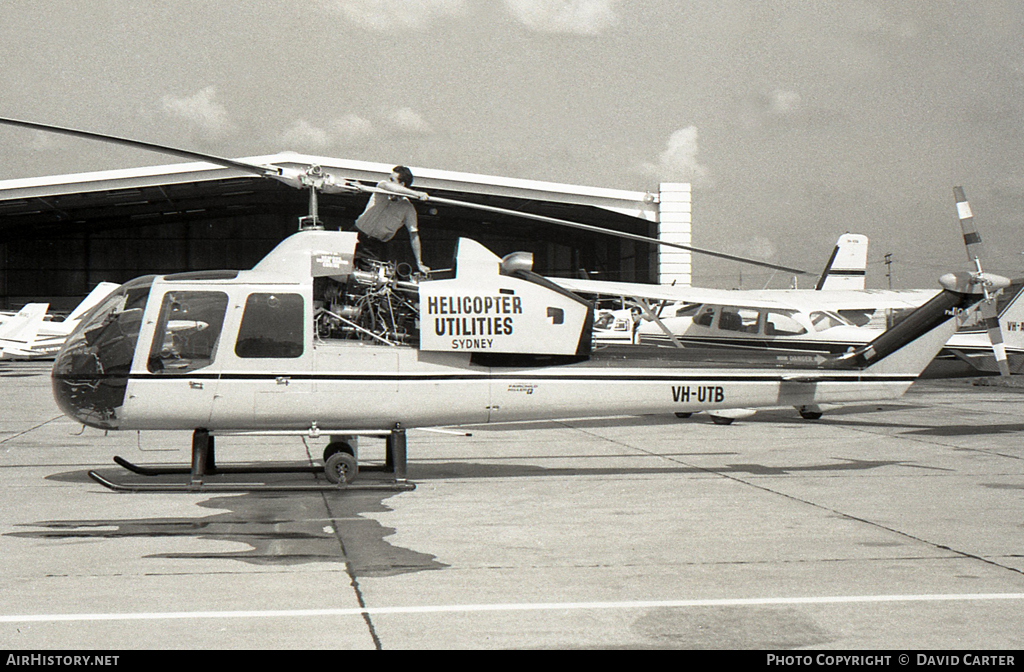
<point>987,308</point>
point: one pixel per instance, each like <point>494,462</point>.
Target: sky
<point>794,121</point>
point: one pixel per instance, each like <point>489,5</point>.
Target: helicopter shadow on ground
<point>433,470</point>
<point>281,529</point>
<point>773,415</point>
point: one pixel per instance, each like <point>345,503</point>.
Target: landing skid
<point>203,465</point>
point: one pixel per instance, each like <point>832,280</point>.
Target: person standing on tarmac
<point>385,214</point>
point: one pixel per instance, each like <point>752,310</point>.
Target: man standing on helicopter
<point>385,214</point>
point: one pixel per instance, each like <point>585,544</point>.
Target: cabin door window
<point>187,331</point>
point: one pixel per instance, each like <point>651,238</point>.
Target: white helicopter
<point>30,335</point>
<point>314,341</point>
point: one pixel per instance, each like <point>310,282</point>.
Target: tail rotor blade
<point>975,251</point>
<point>995,335</point>
<point>972,239</point>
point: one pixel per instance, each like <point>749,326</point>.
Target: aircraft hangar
<point>61,235</point>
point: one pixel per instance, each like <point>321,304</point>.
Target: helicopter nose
<point>90,374</point>
<point>83,392</point>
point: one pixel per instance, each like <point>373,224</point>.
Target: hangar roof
<point>57,195</point>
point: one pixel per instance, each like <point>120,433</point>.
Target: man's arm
<point>402,190</point>
<point>412,224</point>
<point>414,241</point>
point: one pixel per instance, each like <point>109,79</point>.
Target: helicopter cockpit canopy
<point>90,375</point>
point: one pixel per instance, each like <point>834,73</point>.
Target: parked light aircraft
<point>810,322</point>
<point>42,338</point>
<point>845,271</point>
<point>19,331</point>
<point>800,324</point>
<point>314,341</point>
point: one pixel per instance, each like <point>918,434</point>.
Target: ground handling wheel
<point>810,412</point>
<point>341,468</point>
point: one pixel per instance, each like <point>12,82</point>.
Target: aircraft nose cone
<point>82,392</point>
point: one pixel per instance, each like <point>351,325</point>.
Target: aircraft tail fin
<point>22,327</point>
<point>98,293</point>
<point>847,267</point>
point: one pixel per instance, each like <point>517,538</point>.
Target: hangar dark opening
<point>55,248</point>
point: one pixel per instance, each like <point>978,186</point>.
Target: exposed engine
<point>379,302</point>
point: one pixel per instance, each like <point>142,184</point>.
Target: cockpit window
<point>822,320</point>
<point>108,333</point>
<point>271,327</point>
<point>90,376</point>
<point>187,332</point>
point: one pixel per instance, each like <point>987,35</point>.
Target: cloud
<point>783,103</point>
<point>408,121</point>
<point>304,135</point>
<point>579,17</point>
<point>351,129</point>
<point>678,162</point>
<point>757,247</point>
<point>200,111</point>
<point>344,131</point>
<point>778,108</point>
<point>389,15</point>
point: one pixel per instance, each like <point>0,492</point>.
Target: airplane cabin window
<point>781,323</point>
<point>705,318</point>
<point>272,326</point>
<point>187,331</point>
<point>687,310</point>
<point>822,320</point>
<point>744,320</point>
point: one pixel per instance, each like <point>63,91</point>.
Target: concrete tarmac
<point>893,526</point>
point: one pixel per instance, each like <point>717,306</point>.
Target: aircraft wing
<point>864,299</point>
<point>726,297</point>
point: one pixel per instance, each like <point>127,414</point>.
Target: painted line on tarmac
<point>528,606</point>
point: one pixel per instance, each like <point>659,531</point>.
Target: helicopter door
<point>185,342</point>
<point>269,382</point>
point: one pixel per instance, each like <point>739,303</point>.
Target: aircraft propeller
<point>317,181</point>
<point>987,307</point>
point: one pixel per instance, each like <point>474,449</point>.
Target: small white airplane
<point>843,276</point>
<point>18,332</point>
<point>43,338</point>
<point>814,321</point>
<point>315,342</point>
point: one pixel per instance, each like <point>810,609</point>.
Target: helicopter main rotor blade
<point>138,144</point>
<point>294,178</point>
<point>610,232</point>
